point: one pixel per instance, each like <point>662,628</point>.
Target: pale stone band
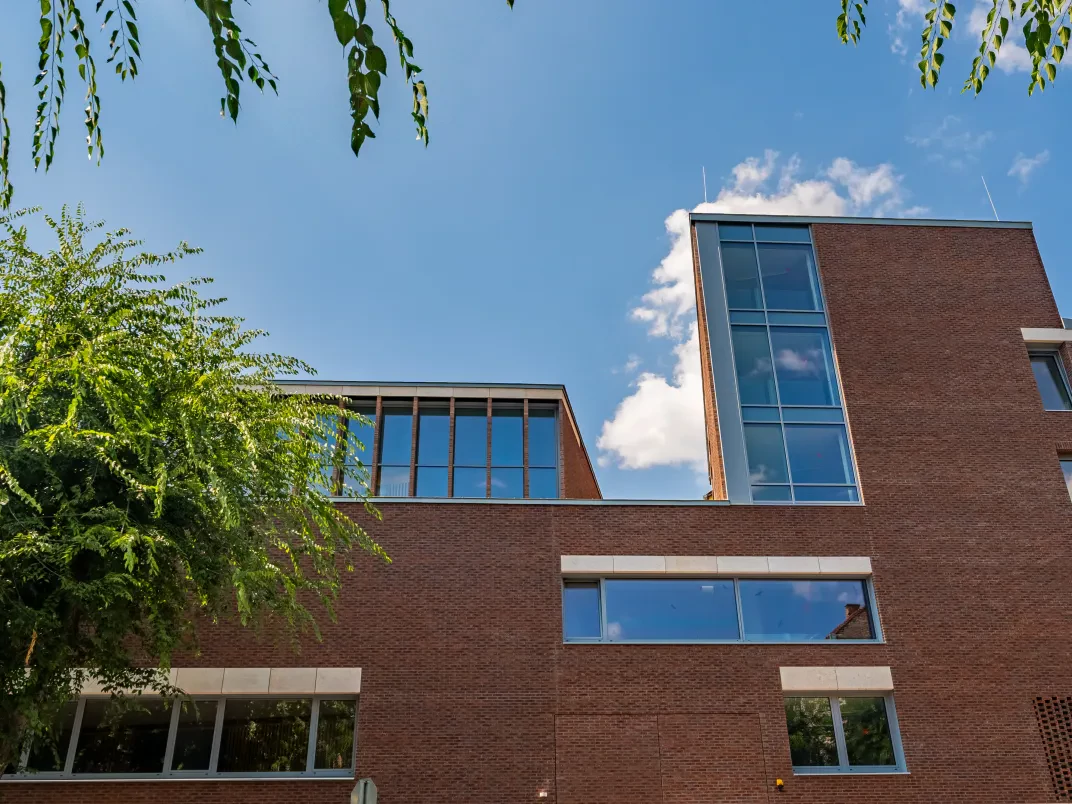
<point>836,679</point>
<point>257,681</point>
<point>1049,335</point>
<point>831,566</point>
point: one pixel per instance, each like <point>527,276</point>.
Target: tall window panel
<point>361,427</point>
<point>433,449</point>
<point>395,452</point>
<point>796,441</point>
<point>543,452</point>
<point>471,450</point>
<point>1051,380</point>
<point>507,450</point>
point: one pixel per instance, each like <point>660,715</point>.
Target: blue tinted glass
<point>826,494</point>
<point>759,414</point>
<point>813,415</point>
<point>470,437</point>
<point>771,493</point>
<point>735,231</point>
<point>818,453</point>
<point>1050,382</point>
<point>747,317</point>
<point>507,482</point>
<point>580,611</point>
<point>397,437</point>
<point>507,437</point>
<point>805,366</point>
<point>470,482</point>
<point>766,454</point>
<point>755,374</point>
<point>363,433</point>
<point>809,319</point>
<point>394,481</point>
<point>801,611</point>
<point>670,609</point>
<point>543,437</point>
<point>742,276</point>
<point>789,278</point>
<point>431,481</point>
<point>433,438</point>
<point>1066,469</point>
<point>543,484</point>
<point>782,234</point>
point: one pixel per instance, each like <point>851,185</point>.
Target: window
<point>507,450</point>
<point>1066,469</point>
<point>796,443</point>
<point>395,451</point>
<point>471,451</point>
<point>1051,380</point>
<point>361,427</point>
<point>843,734</point>
<point>433,448</point>
<point>149,736</point>
<point>717,610</point>
<point>543,452</point>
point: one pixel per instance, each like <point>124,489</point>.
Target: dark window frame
<point>309,772</point>
<point>742,639</point>
<point>1064,383</point>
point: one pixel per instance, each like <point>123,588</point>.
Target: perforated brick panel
<point>1055,726</point>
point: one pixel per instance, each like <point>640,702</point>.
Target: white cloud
<point>909,14</point>
<point>660,422</point>
<point>1024,166</point>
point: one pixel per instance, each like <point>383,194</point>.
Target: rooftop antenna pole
<point>995,209</point>
<point>704,169</point>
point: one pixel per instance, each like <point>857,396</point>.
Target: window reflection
<point>789,278</point>
<point>670,610</point>
<point>742,276</point>
<point>470,482</point>
<point>193,737</point>
<point>805,366</point>
<point>543,452</point>
<point>263,735</point>
<point>1050,379</point>
<point>395,452</point>
<point>811,732</point>
<point>128,737</point>
<point>755,371</point>
<point>46,755</point>
<point>580,610</point>
<point>818,453</point>
<point>867,731</point>
<point>433,448</point>
<point>805,610</point>
<point>470,451</point>
<point>766,453</point>
<point>1066,468</point>
<point>507,483</point>
<point>335,734</point>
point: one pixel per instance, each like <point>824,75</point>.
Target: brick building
<point>874,606</point>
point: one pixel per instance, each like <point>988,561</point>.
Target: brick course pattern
<point>469,694</point>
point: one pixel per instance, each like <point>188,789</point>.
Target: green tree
<point>1045,25</point>
<point>151,473</point>
<point>69,24</point>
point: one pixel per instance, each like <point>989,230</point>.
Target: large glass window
<point>843,734</point>
<point>716,609</point>
<point>220,735</point>
<point>804,611</point>
<point>361,427</point>
<point>470,451</point>
<point>395,449</point>
<point>1066,469</point>
<point>796,443</point>
<point>507,451</point>
<point>1051,380</point>
<point>543,452</point>
<point>433,449</point>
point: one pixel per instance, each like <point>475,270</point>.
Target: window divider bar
<point>603,610</point>
<point>72,744</point>
<point>839,733</point>
<point>450,451</point>
<point>314,721</point>
<point>173,728</point>
<point>740,609</point>
<point>217,737</point>
<point>487,455</point>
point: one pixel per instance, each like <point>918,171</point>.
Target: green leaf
<point>345,27</point>
<point>1051,71</point>
<point>376,59</point>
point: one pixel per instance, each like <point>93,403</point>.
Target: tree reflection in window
<point>265,735</point>
<point>811,732</point>
<point>867,731</point>
<point>335,734</point>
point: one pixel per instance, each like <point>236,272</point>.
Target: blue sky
<point>520,246</point>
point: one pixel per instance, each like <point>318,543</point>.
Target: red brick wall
<point>578,482</point>
<point>470,695</point>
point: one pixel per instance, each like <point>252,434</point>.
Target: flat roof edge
<point>382,384</point>
<point>714,217</point>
